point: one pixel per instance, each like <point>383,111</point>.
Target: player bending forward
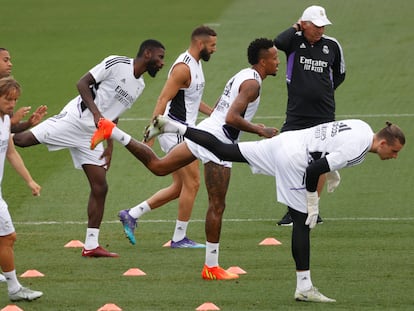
<point>295,158</point>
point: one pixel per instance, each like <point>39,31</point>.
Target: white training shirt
<point>216,122</point>
<point>286,156</point>
<point>185,105</point>
<point>115,91</point>
<point>116,88</point>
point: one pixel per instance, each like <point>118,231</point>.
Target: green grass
<point>362,255</point>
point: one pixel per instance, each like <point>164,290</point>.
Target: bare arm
<point>19,126</point>
<point>19,114</point>
<point>86,94</point>
<point>205,109</point>
<point>37,116</point>
<point>180,77</point>
<point>248,92</point>
<point>17,162</point>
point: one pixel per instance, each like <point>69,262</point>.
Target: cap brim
<point>321,22</point>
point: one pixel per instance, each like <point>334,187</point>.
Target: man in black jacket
<point>315,68</point>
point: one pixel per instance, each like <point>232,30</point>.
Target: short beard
<point>152,69</point>
<point>205,55</point>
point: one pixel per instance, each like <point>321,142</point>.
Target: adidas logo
<point>123,80</point>
<point>302,46</point>
<point>213,252</point>
<point>180,228</point>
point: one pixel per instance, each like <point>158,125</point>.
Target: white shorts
<point>169,140</point>
<point>202,153</point>
<point>279,157</point>
<point>205,155</point>
<point>66,130</point>
<point>6,224</point>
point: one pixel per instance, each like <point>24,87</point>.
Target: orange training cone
<point>207,306</point>
<point>110,307</point>
<point>270,241</point>
<point>11,308</point>
<point>134,272</point>
<point>31,274</point>
<point>74,243</point>
<point>236,270</point>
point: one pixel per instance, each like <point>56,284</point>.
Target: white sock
<point>212,254</point>
<point>13,284</point>
<point>91,240</point>
<point>120,136</point>
<point>180,230</point>
<point>140,209</point>
<point>303,280</point>
<point>173,126</point>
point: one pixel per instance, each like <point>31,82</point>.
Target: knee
<point>17,140</point>
<point>12,238</point>
<point>8,240</point>
<point>174,189</point>
<point>193,185</point>
<point>24,139</point>
<point>100,189</point>
<point>216,207</point>
<point>196,184</point>
<point>298,218</point>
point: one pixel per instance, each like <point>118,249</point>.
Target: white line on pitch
<point>373,219</point>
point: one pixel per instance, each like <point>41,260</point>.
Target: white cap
<point>316,15</point>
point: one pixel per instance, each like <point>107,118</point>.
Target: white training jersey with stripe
<point>216,123</point>
<point>286,156</point>
<point>185,105</point>
<point>115,91</point>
